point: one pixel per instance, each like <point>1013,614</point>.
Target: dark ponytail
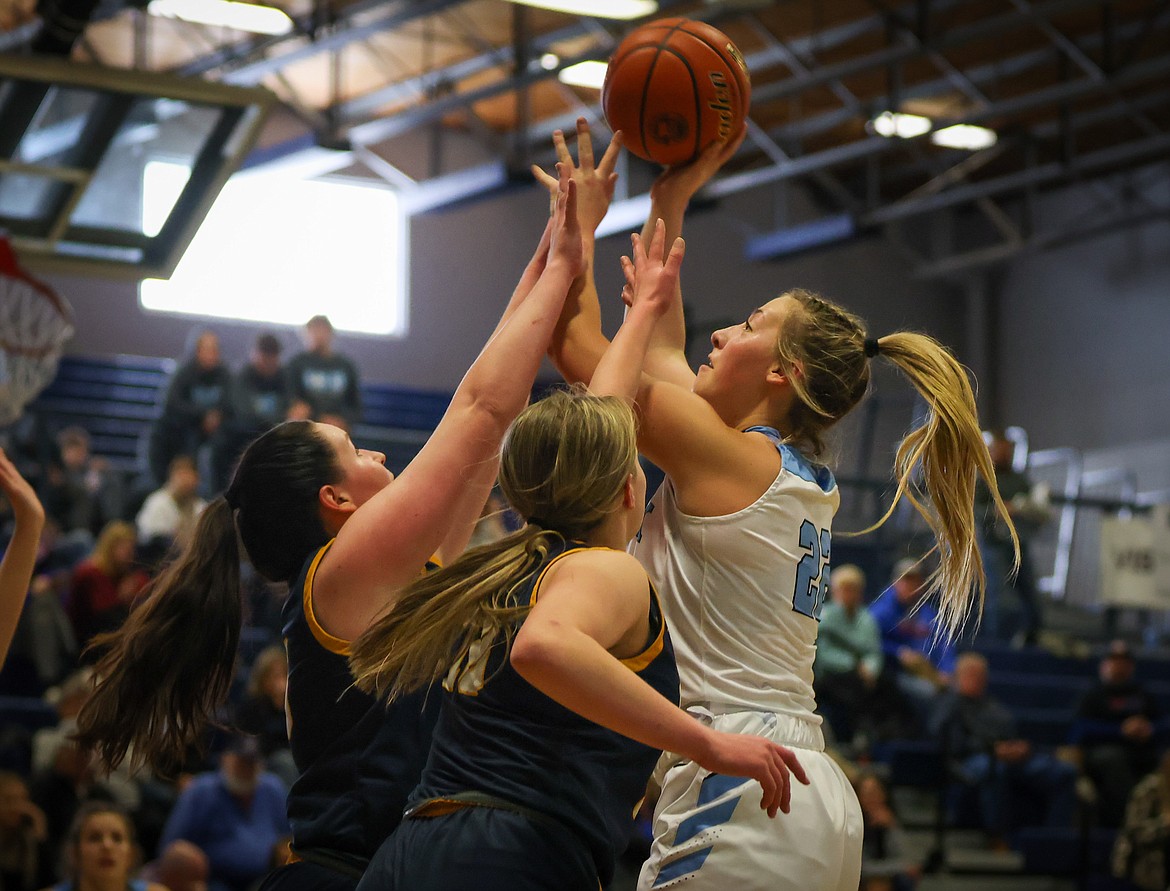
<point>166,670</point>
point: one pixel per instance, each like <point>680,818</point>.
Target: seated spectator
<point>262,713</point>
<point>909,625</point>
<point>26,862</point>
<point>852,690</point>
<point>324,384</point>
<point>885,864</point>
<point>101,854</point>
<point>236,815</point>
<point>1118,727</point>
<point>43,650</point>
<point>168,515</point>
<point>1140,852</point>
<point>180,867</point>
<point>1009,774</point>
<point>198,402</point>
<point>81,492</point>
<point>106,585</point>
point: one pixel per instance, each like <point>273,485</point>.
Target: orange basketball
<point>673,87</point>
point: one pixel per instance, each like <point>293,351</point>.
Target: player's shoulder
<point>617,566</point>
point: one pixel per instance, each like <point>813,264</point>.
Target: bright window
<point>280,250</point>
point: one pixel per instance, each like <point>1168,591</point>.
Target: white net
<point>35,324</point>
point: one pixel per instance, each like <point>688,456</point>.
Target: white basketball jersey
<point>742,593</point>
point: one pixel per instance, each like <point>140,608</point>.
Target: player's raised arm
<point>19,558</point>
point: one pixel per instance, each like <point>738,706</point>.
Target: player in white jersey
<point>738,540</point>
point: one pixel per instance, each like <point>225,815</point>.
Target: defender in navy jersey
<point>559,676</point>
<point>328,518</point>
<point>358,760</point>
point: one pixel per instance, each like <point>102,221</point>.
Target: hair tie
<point>537,521</point>
<point>871,347</point>
<point>231,499</point>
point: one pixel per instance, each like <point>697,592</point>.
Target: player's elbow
<point>536,652</point>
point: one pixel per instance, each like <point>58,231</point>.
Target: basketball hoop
<point>35,324</point>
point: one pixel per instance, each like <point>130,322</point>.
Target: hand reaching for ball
<point>595,182</point>
<point>565,236</point>
<point>651,281</point>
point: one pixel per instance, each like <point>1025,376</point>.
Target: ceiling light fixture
<point>598,9</point>
<point>964,136</point>
<point>904,126</point>
<point>590,74</point>
<point>549,61</point>
<point>250,17</point>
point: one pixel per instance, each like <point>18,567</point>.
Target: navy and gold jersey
<point>358,760</point>
<point>499,735</point>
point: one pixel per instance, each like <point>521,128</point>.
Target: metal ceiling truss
<point>865,184</point>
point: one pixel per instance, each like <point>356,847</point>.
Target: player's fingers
<point>584,145</point>
<point>542,176</point>
<point>628,269</point>
<point>638,250</point>
<point>562,150</point>
<point>609,159</point>
<point>793,763</point>
<point>677,252</point>
<point>785,787</point>
<point>571,205</point>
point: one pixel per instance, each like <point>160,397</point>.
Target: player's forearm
<point>575,670</point>
<point>619,372</point>
<point>16,573</point>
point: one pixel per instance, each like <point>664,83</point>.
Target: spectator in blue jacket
<point>908,625</point>
<point>236,816</point>
<point>1119,728</point>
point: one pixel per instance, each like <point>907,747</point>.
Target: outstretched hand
<point>772,765</point>
<point>595,183</point>
<point>650,279</point>
<point>565,235</point>
<point>25,504</point>
<point>678,183</point>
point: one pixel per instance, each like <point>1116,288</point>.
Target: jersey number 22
<point>812,572</point>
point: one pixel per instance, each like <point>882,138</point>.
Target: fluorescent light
<point>904,126</point>
<point>225,13</point>
<point>599,9</point>
<point>590,75</point>
<point>964,136</point>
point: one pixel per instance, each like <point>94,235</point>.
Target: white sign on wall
<point>1135,560</point>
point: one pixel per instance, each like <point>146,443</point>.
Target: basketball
<point>673,87</point>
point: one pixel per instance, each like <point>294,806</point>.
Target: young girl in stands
<point>738,540</point>
<point>101,852</point>
<point>331,520</point>
<point>560,678</point>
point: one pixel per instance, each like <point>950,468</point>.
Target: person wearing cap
<point>923,658</point>
<point>1118,727</point>
<point>236,816</point>
<point>324,385</point>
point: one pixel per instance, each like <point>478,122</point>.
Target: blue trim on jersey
<point>716,815</point>
<point>715,785</point>
<point>795,463</point>
<point>682,866</point>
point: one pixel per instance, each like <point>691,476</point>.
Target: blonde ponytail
<point>440,616</point>
<point>949,449</point>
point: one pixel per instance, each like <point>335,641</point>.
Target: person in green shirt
<point>857,700</point>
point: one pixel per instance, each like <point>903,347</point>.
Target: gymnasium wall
<point>1084,330</point>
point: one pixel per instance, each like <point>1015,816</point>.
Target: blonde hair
<point>822,350</point>
<point>565,460</point>
<point>846,574</point>
<point>266,660</point>
<point>113,534</point>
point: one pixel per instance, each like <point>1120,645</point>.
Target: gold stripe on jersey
<point>652,652</point>
<point>323,637</point>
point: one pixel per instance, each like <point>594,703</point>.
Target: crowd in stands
<point>882,673</point>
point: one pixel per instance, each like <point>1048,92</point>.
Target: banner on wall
<point>1135,560</point>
